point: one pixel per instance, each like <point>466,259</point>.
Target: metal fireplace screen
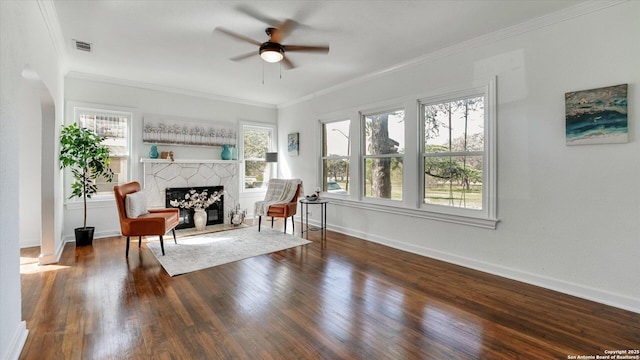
<point>215,212</point>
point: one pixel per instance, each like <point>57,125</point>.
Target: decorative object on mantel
<point>234,152</point>
<point>171,156</point>
<point>163,129</point>
<point>293,144</point>
<point>198,202</point>
<point>237,216</point>
<point>82,151</point>
<point>153,153</point>
<point>226,153</point>
<point>597,116</point>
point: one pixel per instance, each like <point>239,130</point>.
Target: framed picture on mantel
<point>171,130</point>
<point>293,144</point>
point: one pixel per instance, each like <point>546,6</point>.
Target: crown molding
<point>502,34</point>
<point>50,16</point>
<point>163,88</point>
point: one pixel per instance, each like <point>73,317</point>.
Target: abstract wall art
<point>293,144</point>
<point>597,116</point>
<point>172,130</point>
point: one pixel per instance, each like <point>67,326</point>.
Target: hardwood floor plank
<point>342,298</point>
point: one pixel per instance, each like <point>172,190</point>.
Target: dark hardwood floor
<point>344,299</point>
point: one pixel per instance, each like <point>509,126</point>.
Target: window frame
<point>347,157</point>
<point>488,211</point>
<point>273,141</point>
<point>362,156</point>
<point>74,110</point>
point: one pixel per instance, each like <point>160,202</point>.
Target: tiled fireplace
<point>160,174</point>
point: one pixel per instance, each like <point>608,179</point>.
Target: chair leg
<point>272,221</point>
<point>259,222</point>
<point>139,241</point>
<point>174,236</point>
<point>285,225</point>
<point>161,244</point>
<point>127,253</point>
<point>293,224</point>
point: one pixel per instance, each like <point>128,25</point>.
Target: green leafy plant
<point>82,151</point>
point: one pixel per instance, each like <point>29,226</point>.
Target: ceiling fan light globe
<point>271,52</point>
<point>271,56</point>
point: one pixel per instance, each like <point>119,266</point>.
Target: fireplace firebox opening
<point>215,212</point>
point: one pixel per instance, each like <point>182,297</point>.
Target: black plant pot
<point>84,236</point>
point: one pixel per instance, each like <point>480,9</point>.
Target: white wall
<point>81,88</point>
<point>569,216</point>
<point>26,44</point>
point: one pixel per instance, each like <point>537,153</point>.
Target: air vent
<point>81,45</point>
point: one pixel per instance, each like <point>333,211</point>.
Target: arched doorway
<point>37,165</point>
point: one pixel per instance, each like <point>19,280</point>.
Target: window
<point>456,161</point>
<point>336,145</point>
<point>257,141</point>
<point>114,127</point>
<point>383,154</point>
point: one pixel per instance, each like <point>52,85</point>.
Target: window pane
<point>454,126</point>
<point>257,172</point>
<point>336,138</point>
<point>384,133</point>
<point>383,178</point>
<point>112,128</point>
<point>336,180</point>
<point>119,167</point>
<point>453,181</point>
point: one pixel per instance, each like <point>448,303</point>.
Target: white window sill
<point>480,222</point>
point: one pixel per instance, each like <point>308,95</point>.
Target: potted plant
<point>82,151</point>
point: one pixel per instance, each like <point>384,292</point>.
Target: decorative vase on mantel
<point>153,153</point>
<point>226,153</point>
<point>200,219</point>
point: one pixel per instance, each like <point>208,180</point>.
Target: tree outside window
<point>454,152</point>
<point>384,152</point>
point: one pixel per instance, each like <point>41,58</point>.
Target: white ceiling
<point>171,43</point>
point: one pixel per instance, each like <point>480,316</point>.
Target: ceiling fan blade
<point>256,15</point>
<point>287,63</point>
<point>283,30</point>
<point>237,36</point>
<point>244,56</point>
<point>306,48</point>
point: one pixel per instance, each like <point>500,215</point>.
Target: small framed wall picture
<point>293,144</point>
<point>597,116</point>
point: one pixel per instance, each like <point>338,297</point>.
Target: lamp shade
<point>271,157</point>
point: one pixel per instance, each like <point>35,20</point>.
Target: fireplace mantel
<point>160,174</point>
<point>187,161</point>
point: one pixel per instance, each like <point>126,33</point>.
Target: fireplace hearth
<point>215,212</point>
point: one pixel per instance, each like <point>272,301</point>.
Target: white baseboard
<point>29,243</point>
<point>17,342</point>
<point>581,291</point>
<point>96,235</point>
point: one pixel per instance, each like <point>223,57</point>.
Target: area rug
<point>204,251</point>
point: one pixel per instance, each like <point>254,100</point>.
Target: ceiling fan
<point>273,50</point>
